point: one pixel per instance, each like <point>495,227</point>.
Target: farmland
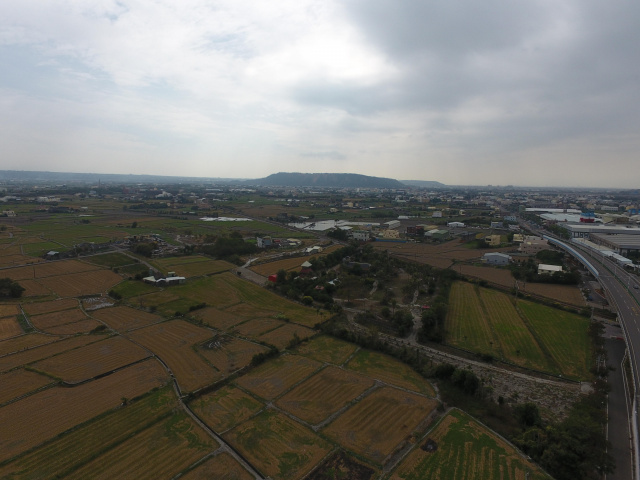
<point>460,448</point>
<point>327,349</point>
<point>323,394</point>
<point>61,455</point>
<point>162,450</point>
<point>126,318</point>
<point>9,327</point>
<point>278,446</point>
<point>193,266</point>
<point>89,361</point>
<point>225,408</point>
<point>528,334</point>
<point>376,425</point>
<point>389,370</point>
<point>173,341</point>
<point>20,382</point>
<point>48,413</point>
<point>276,376</point>
<point>229,354</point>
<point>221,467</point>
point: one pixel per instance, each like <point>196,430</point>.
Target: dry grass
<point>54,319</point>
<point>282,336</point>
<point>83,283</point>
<point>218,318</point>
<point>23,342</point>
<point>83,326</point>
<point>327,349</point>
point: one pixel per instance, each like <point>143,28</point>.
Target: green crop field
<point>530,335</point>
<point>463,449</point>
<point>564,334</point>
<point>111,260</point>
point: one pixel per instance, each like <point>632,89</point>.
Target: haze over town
<point>498,93</point>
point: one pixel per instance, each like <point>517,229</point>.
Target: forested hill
<point>350,180</point>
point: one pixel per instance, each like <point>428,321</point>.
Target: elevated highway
<point>623,291</point>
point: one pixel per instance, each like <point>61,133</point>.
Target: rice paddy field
<point>524,333</point>
<point>458,448</point>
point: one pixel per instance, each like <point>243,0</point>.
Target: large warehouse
<point>621,243</point>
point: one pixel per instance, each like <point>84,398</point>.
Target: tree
<point>9,288</point>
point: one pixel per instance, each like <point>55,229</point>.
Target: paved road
<point>618,431</point>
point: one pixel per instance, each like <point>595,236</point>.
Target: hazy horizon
<point>491,93</point>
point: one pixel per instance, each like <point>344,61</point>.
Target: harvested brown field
<point>278,447</point>
<point>281,337</point>
<point>64,267</point>
<point>33,289</point>
<point>172,342</point>
<point>34,354</point>
<point>47,320</point>
<point>9,327</point>
<point>91,360</point>
<point>39,417</point>
<point>83,326</point>
<point>24,341</point>
<point>9,309</point>
<point>256,327</point>
<point>221,467</point>
<point>83,283</point>
<point>229,354</point>
<point>246,310</point>
<point>160,451</point>
<point>327,349</point>
<point>18,260</point>
<point>380,422</point>
<point>325,393</point>
<point>125,318</point>
<point>499,276</point>
<point>341,465</point>
<point>562,293</point>
<point>217,318</point>
<point>440,256</point>
<point>20,382</point>
<point>278,375</point>
<point>226,408</point>
<point>39,308</point>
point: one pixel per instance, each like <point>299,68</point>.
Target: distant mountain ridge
<point>339,180</point>
<point>424,183</point>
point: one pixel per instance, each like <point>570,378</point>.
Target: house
<point>518,237</point>
<point>437,234</point>
<point>532,245</point>
<point>497,225</point>
<point>306,268</point>
<point>455,225</point>
<point>390,234</point>
<point>313,250</point>
<point>436,214</point>
<point>392,224</point>
<point>548,269</point>
<point>496,258</point>
<point>264,242</point>
<point>510,218</point>
<point>360,235</point>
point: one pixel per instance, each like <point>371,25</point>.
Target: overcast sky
<point>542,92</point>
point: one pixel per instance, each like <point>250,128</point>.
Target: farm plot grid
<point>278,375</point>
<point>278,446</point>
<point>459,447</point>
<point>327,349</point>
<point>378,424</point>
<point>81,444</point>
<point>43,415</point>
<point>226,408</point>
<point>172,342</point>
<point>389,370</point>
<point>92,360</point>
<point>20,382</point>
<point>323,394</point>
<point>160,451</point>
<point>527,334</point>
